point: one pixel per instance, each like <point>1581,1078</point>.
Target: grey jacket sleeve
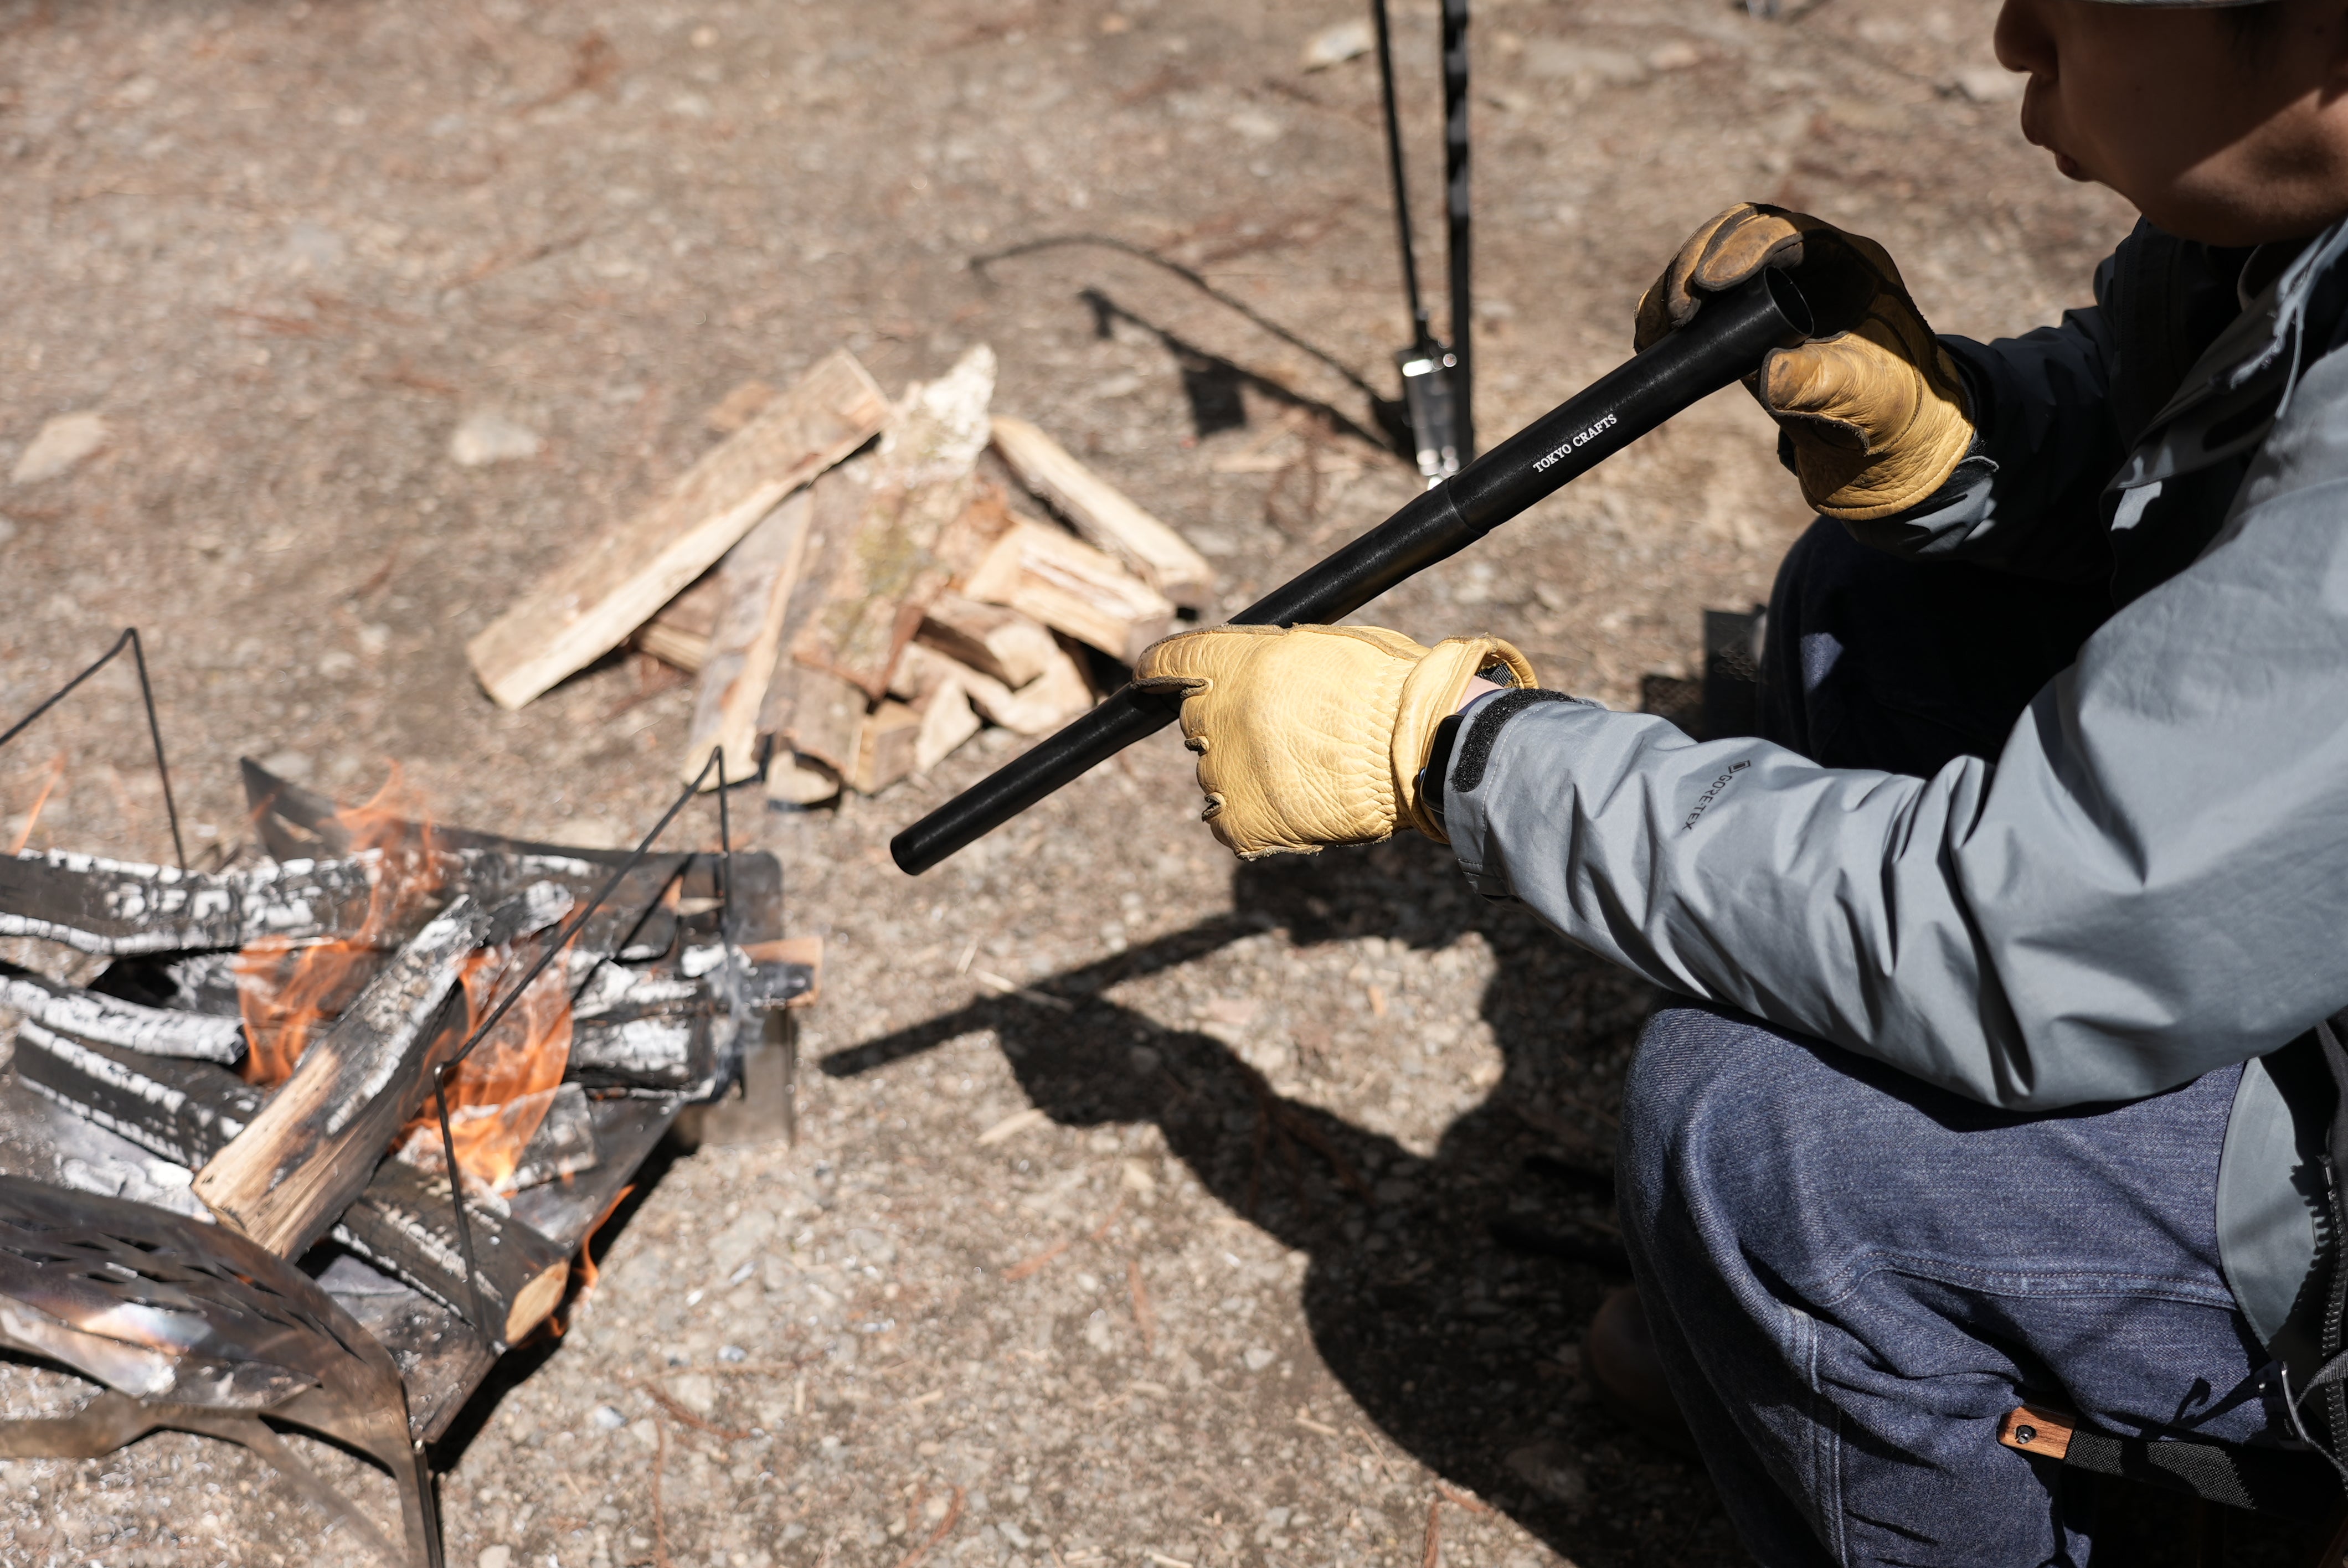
<point>2152,882</point>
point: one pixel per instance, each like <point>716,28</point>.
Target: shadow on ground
<point>1443,1292</point>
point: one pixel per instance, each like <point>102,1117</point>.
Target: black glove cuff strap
<point>1492,712</point>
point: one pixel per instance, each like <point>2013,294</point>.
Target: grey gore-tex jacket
<point>2151,881</point>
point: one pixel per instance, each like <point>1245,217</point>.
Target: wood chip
<point>1104,516</point>
<point>589,605</point>
<point>886,746</point>
<point>1012,1125</point>
<point>793,779</point>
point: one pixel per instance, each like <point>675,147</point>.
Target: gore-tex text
<point>1704,802</point>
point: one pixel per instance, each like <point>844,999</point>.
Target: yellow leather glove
<point>1875,411</point>
<point>1313,736</point>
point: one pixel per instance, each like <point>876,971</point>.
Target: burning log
<point>643,920</point>
<point>154,1032</point>
<point>564,1144</point>
<point>185,1110</point>
<point>403,1222</point>
<point>204,983</point>
<point>301,1161</point>
<point>101,905</point>
<point>188,1112</point>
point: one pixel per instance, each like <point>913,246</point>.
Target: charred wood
<point>101,905</point>
<point>87,1015</point>
<point>188,1112</point>
<point>303,1160</point>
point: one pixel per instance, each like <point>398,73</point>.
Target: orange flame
<point>288,993</point>
<point>499,1095</point>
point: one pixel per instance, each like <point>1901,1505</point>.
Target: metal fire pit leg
<point>113,1420</point>
<point>195,1329</point>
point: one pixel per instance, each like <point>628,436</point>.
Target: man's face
<point>2211,139</point>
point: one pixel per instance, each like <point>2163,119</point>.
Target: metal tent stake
<point>1435,385</point>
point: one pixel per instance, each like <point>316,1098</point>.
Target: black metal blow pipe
<point>1725,342</point>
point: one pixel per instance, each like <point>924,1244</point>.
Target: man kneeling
<point>1998,1080</point>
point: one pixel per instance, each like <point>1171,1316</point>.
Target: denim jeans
<point>1851,1274</point>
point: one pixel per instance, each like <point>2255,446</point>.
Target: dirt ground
<point>1150,1209</point>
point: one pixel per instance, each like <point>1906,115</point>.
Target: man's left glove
<point>1313,736</point>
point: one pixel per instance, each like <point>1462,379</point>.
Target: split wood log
<point>756,583</point>
<point>1057,578</point>
<point>739,406</point>
<point>892,735</point>
<point>586,607</point>
<point>1104,516</point>
<point>997,642</point>
<point>1041,706</point>
<point>679,649</point>
<point>188,1112</point>
<point>815,714</point>
<point>916,484</point>
<point>110,1020</point>
<point>947,720</point>
<point>100,905</point>
<point>283,1180</point>
<point>678,635</point>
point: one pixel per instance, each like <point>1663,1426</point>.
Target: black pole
<point>1455,196</point>
<point>1724,343</point>
<point>1422,338</point>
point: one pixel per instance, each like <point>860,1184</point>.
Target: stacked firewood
<point>274,1029</point>
<point>851,619</point>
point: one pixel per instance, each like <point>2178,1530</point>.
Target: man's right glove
<point>1312,736</point>
<point>1876,412</point>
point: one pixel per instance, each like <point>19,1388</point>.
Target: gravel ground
<point>1148,1210</point>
